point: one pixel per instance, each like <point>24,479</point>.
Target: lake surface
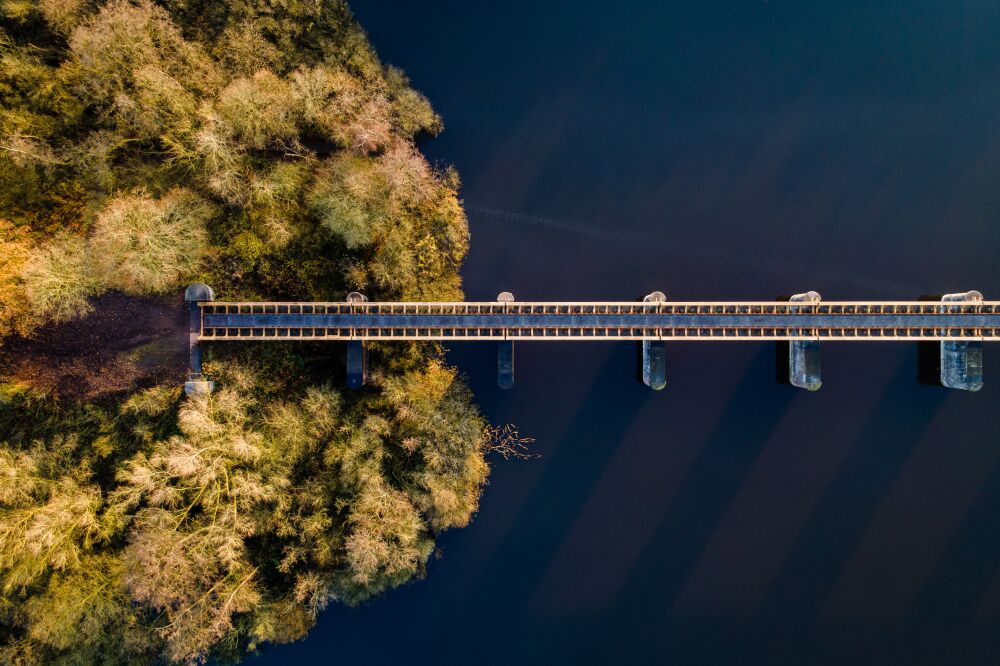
<point>712,150</point>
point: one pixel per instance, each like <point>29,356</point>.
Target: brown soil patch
<point>126,343</point>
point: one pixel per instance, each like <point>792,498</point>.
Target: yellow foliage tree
<point>15,248</point>
<point>58,278</point>
<point>145,245</point>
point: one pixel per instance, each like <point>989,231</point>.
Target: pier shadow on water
<point>787,626</point>
<point>781,350</point>
<point>929,354</point>
<point>571,472</point>
<point>834,530</point>
<point>722,465</point>
<point>962,578</point>
<point>929,363</point>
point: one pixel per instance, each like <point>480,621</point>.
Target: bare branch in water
<point>507,441</point>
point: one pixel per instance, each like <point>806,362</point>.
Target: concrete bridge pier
<point>804,369</point>
<point>357,354</point>
<point>194,294</point>
<point>654,353</point>
<point>505,352</point>
<point>962,362</point>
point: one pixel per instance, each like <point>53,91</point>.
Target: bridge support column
<point>505,352</point>
<point>654,353</point>
<point>804,369</point>
<point>194,294</point>
<point>357,354</point>
<point>962,362</point>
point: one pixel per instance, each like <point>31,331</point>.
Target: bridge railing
<point>766,320</point>
<point>960,322</point>
<point>561,308</point>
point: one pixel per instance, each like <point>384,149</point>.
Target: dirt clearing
<point>126,343</point>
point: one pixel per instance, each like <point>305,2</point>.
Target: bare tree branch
<point>507,441</point>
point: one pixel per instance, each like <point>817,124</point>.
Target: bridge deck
<point>766,320</point>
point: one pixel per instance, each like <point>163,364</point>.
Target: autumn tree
<point>264,149</point>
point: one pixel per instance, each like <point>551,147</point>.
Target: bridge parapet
<point>357,353</point>
<point>804,369</point>
<point>194,296</point>
<point>962,361</point>
<point>505,349</point>
<point>654,352</point>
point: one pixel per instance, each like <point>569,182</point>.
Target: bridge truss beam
<point>960,322</point>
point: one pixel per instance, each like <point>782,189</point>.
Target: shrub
<point>143,245</point>
<point>124,38</point>
<point>48,523</point>
<point>63,15</point>
<point>387,541</point>
<point>340,107</point>
<point>87,611</point>
<point>350,198</point>
<point>257,111</point>
<point>244,49</point>
<point>160,108</point>
<point>411,112</point>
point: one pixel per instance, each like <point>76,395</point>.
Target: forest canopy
<point>263,149</point>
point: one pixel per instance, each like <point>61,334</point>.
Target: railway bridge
<point>960,323</point>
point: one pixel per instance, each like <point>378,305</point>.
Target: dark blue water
<point>712,150</point>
